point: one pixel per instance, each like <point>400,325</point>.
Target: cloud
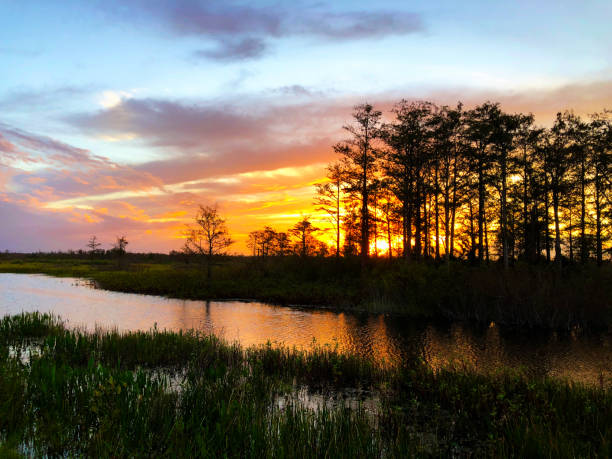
<point>213,19</point>
<point>209,127</point>
<point>62,169</point>
<point>209,138</point>
<point>356,25</point>
<point>296,90</point>
<point>37,99</point>
<point>109,99</point>
<point>242,31</point>
<point>28,229</point>
<point>584,98</point>
<point>257,156</point>
<point>45,150</point>
<point>234,50</point>
<point>73,193</point>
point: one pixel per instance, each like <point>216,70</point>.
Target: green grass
<point>109,394</point>
<point>525,296</point>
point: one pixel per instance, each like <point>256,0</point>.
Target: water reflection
<point>584,358</point>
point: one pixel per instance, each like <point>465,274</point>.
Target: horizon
<point>119,119</point>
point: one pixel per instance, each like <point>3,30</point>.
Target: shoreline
<point>108,383</point>
<point>541,299</point>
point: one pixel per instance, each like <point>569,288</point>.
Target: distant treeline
<point>446,182</point>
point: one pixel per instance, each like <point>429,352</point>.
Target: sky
<point>120,117</point>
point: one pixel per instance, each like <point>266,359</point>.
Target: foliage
<point>184,394</point>
<point>524,295</point>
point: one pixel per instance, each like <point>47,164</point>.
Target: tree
<point>601,158</point>
<point>351,227</point>
<point>388,207</point>
<point>93,244</point>
<point>504,129</point>
<point>408,138</point>
<point>209,236</point>
<point>329,196</point>
<point>484,183</point>
<point>359,151</point>
<point>559,163</point>
<point>303,231</point>
<point>527,188</point>
<point>480,122</point>
<point>448,126</point>
<point>263,242</point>
<point>282,244</point>
<point>120,245</point>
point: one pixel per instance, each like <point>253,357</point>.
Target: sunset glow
<point>121,117</point>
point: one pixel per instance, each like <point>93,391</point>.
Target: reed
<point>525,296</point>
<point>160,393</point>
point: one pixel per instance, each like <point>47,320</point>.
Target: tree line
<point>447,182</point>
<point>119,246</point>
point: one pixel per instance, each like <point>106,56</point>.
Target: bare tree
<point>120,245</point>
<point>329,197</point>
<point>93,244</point>
<point>209,236</point>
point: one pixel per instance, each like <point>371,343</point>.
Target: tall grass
<point>526,296</point>
<point>110,394</point>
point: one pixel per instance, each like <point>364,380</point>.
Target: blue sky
<point>172,94</point>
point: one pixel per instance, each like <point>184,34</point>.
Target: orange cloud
<point>259,165</point>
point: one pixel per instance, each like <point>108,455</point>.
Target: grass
<point>525,296</point>
<point>110,394</point>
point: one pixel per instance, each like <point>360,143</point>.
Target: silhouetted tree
<point>209,236</point>
<point>408,139</point>
<point>480,183</point>
<point>303,231</point>
<point>479,131</point>
<point>329,197</point>
<point>362,155</point>
<point>120,245</point>
<point>93,244</point>
<point>601,158</point>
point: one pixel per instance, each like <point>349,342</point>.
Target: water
<point>575,356</point>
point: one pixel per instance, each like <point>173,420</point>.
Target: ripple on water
<point>585,358</point>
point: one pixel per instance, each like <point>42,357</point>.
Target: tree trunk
<point>365,221</point>
<point>583,247</point>
<point>503,219</point>
<point>526,242</point>
<point>427,243</point>
<point>437,216</point>
<point>472,254</point>
<point>481,214</point>
<point>598,193</point>
<point>417,222</point>
<point>388,217</point>
<point>571,248</point>
<point>338,220</point>
<point>546,221</point>
<point>557,227</point>
<point>453,213</point>
<point>405,223</point>
<point>486,237</point>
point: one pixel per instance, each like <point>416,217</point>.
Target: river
<point>575,356</point>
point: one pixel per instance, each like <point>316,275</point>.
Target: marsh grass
<point>109,394</point>
<point>524,296</point>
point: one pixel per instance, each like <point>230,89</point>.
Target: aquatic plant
<point>185,394</point>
